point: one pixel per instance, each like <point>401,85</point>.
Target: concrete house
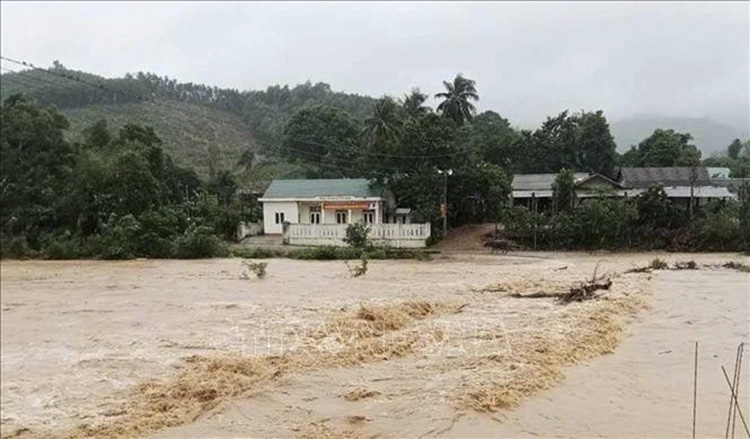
<point>317,212</point>
<point>334,201</point>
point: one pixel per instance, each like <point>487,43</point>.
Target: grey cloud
<point>530,60</point>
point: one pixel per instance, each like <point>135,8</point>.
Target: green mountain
<point>709,135</point>
<point>202,127</point>
<point>195,136</point>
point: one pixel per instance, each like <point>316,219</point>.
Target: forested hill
<point>201,126</point>
<point>711,136</point>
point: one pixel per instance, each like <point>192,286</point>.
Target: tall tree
<point>492,137</point>
<point>413,104</point>
<point>596,149</point>
<point>664,148</point>
<point>36,166</point>
<point>733,150</point>
<point>563,190</point>
<point>384,124</point>
<point>325,139</point>
<point>457,97</point>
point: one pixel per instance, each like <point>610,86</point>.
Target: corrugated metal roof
<point>720,173</point>
<point>344,187</point>
<point>684,192</point>
<point>531,182</point>
<point>699,192</point>
<point>672,176</point>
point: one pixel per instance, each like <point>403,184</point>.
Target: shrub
<point>719,229</point>
<point>159,229</point>
<point>198,242</point>
<point>357,235</point>
<point>119,238</point>
<point>658,264</point>
<point>15,247</point>
<point>601,222</point>
<point>258,253</point>
<point>258,268</point>
<point>63,246</point>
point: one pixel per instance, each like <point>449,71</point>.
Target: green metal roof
<point>353,187</point>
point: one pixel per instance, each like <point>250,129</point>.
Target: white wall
<point>299,213</point>
<point>391,235</point>
<point>289,208</point>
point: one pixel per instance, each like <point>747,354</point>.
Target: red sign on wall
<point>333,205</point>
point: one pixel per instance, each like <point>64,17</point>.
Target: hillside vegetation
<point>201,126</point>
<point>709,135</point>
<point>195,136</point>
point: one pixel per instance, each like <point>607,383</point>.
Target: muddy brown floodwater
<point>79,337</point>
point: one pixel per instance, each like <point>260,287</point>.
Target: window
<point>368,216</point>
<point>279,217</point>
<point>341,217</point>
<point>314,215</point>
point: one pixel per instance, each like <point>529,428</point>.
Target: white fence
<point>392,235</point>
<point>248,229</point>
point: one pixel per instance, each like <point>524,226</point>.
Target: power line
<point>33,77</point>
<point>376,154</point>
<point>18,81</point>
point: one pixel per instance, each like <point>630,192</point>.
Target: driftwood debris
<point>585,291</point>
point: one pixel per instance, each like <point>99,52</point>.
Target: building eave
<point>319,199</point>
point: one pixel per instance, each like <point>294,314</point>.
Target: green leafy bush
<point>15,247</point>
<point>357,235</point>
<point>119,238</point>
<point>199,242</point>
<point>64,246</point>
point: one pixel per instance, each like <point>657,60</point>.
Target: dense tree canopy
<point>325,138</point>
<point>581,142</point>
<point>736,158</point>
<point>109,196</point>
<point>664,148</point>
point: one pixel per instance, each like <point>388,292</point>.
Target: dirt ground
<point>78,338</point>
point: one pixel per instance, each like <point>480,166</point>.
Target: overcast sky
<point>530,60</point>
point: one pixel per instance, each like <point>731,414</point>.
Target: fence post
<point>285,233</point>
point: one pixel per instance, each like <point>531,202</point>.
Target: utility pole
<point>693,177</point>
<point>444,205</point>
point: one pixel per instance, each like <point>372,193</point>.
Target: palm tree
<point>385,122</point>
<point>413,103</point>
<point>456,99</point>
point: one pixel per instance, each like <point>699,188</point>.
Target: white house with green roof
<point>318,212</point>
<point>333,201</point>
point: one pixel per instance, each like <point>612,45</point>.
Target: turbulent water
<point>645,389</point>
